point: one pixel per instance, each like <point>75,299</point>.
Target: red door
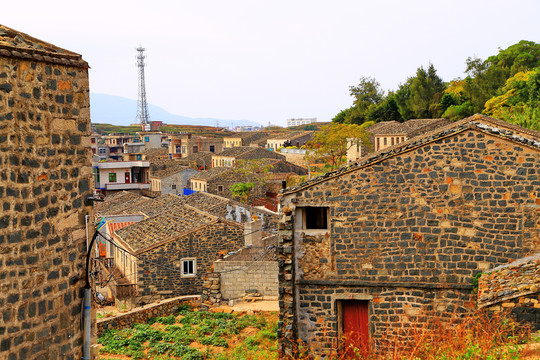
<point>127,178</point>
<point>355,326</point>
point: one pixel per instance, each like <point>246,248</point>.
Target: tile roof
<point>20,45</point>
<point>116,203</point>
<point>477,121</point>
<point>166,168</point>
<point>163,227</point>
<point>291,135</point>
<point>204,201</point>
<point>212,173</point>
<point>235,151</point>
<point>248,136</point>
<point>405,128</point>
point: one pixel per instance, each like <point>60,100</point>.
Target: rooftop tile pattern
<point>20,45</point>
<point>116,203</point>
<point>163,227</point>
<point>291,135</point>
<point>212,173</point>
<point>166,168</point>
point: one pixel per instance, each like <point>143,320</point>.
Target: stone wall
<point>144,313</point>
<point>45,176</point>
<point>239,276</point>
<point>159,269</point>
<point>406,232</point>
<point>211,293</point>
<point>515,287</point>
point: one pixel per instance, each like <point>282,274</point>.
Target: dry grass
<point>476,336</point>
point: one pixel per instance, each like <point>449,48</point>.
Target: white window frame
<point>188,275</point>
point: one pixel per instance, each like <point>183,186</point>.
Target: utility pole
<point>143,116</point>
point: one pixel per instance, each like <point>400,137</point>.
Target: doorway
<point>355,326</point>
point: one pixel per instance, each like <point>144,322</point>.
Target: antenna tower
<point>143,117</point>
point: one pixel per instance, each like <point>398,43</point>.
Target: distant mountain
<point>117,110</point>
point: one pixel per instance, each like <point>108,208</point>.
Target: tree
<point>368,92</point>
<point>242,190</point>
<point>330,143</point>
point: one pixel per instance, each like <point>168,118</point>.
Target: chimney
<point>253,233</point>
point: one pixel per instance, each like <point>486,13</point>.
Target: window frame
<point>194,270</point>
<point>111,177</point>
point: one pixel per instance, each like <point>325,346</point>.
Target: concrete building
<point>45,179</point>
<point>399,235</point>
<point>301,121</point>
<point>121,175</point>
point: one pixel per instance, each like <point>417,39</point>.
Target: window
<point>112,177</point>
<point>93,140</point>
<point>102,150</point>
<point>212,148</point>
<point>189,267</point>
<point>195,149</point>
<point>173,186</point>
<point>315,217</point>
<point>139,157</point>
<point>385,141</point>
<point>146,139</point>
<point>220,188</point>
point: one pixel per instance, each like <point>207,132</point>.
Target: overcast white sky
<point>273,60</point>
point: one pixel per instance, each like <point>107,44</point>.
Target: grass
<point>195,335</point>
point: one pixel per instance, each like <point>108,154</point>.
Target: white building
<point>300,121</point>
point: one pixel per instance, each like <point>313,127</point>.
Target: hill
<point>122,111</point>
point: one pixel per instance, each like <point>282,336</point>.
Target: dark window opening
<point>316,217</point>
<point>212,148</point>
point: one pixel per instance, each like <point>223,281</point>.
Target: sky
<point>269,61</point>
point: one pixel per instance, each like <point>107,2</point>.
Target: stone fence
<point>211,294</point>
<point>516,287</point>
<point>239,276</point>
<point>142,314</point>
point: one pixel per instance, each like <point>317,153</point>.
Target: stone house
<point>399,235</point>
<point>389,133</point>
<point>296,138</point>
<point>248,138</point>
<point>231,156</point>
<point>199,161</point>
<point>170,177</point>
<point>184,145</point>
<point>169,253</point>
<point>45,178</point>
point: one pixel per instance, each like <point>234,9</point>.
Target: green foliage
<point>173,338</point>
<point>368,92</point>
<point>458,112</point>
<point>242,190</point>
<point>330,143</point>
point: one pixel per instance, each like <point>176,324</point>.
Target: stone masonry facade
<point>406,230</point>
<point>45,176</point>
<point>203,245</point>
<point>514,287</point>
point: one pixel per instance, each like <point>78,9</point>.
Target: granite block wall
<point>159,269</point>
<point>45,175</point>
<point>409,230</point>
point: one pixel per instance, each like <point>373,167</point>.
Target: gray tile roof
<point>116,203</point>
<point>163,227</point>
<point>212,173</point>
<point>20,45</point>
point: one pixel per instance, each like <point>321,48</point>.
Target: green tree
<point>368,92</point>
<point>330,143</point>
<point>242,190</point>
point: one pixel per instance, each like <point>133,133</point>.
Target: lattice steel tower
<point>143,116</point>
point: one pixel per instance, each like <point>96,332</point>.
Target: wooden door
<point>355,320</point>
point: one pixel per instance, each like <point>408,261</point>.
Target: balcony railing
<point>130,186</point>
